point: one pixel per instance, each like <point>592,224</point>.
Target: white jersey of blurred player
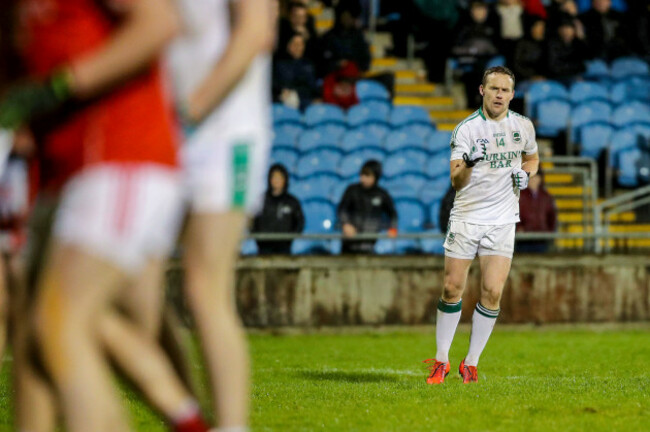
<point>225,156</point>
<point>490,198</point>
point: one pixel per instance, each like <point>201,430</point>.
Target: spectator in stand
<point>299,21</point>
<point>511,16</point>
<point>529,63</point>
<point>345,42</point>
<point>366,208</point>
<point>560,10</point>
<point>566,53</point>
<point>537,213</point>
<point>638,21</point>
<point>281,213</point>
<point>606,35</point>
<point>476,43</point>
<point>294,76</point>
<point>535,8</point>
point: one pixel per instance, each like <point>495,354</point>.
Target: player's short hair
<point>498,70</point>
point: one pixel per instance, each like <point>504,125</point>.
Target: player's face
<point>497,93</point>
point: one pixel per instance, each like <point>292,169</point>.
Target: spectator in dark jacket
<point>530,54</point>
<point>638,21</point>
<point>345,42</point>
<point>605,32</point>
<point>294,77</point>
<point>566,53</point>
<point>299,21</point>
<point>366,208</point>
<point>281,213</point>
<point>537,213</point>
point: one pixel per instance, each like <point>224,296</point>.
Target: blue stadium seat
<point>405,186</point>
<point>630,89</point>
<point>283,140</point>
<point>434,216</point>
<point>411,218</point>
<point>350,164</point>
<point>320,218</point>
<point>631,113</point>
<point>317,114</point>
<point>420,129</point>
<point>385,247</point>
<point>338,190</point>
<point>289,130</point>
<point>621,140</point>
<point>627,167</point>
<point>437,166</point>
<point>400,140</point>
<point>543,91</point>
<point>594,138</point>
<point>584,91</point>
<point>433,246</point>
<point>284,114</point>
<point>371,90</point>
<point>285,156</point>
<point>434,190</point>
<point>312,139</point>
<point>439,142</point>
<point>318,161</point>
<point>587,113</point>
<point>498,60</point>
<point>367,113</point>
<point>403,163</point>
<point>552,117</point>
<point>597,70</point>
<point>316,186</point>
<point>617,5</point>
<point>334,130</point>
<point>248,247</point>
<point>378,131</point>
<point>409,114</point>
<point>624,67</point>
<point>354,140</point>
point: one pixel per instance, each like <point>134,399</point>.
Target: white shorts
<point>124,213</point>
<point>464,240</point>
<point>223,174</point>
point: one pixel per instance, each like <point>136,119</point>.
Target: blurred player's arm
<point>253,33</point>
<point>530,163</point>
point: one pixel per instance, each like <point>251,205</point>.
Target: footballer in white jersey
<point>493,153</point>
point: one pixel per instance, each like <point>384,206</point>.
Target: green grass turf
<point>530,380</point>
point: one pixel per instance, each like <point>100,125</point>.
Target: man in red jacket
<point>537,213</point>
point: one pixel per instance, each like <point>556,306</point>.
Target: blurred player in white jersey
<point>493,154</point>
<point>221,74</point>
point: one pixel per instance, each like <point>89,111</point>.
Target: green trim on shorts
<point>240,169</point>
<point>445,307</point>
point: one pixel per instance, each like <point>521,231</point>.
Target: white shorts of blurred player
<point>464,240</point>
<point>123,213</point>
<point>226,173</point>
<point>14,202</point>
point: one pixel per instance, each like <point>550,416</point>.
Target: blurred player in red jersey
<point>108,155</point>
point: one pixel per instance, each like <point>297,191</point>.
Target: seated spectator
<point>529,61</point>
<point>345,42</point>
<point>294,77</point>
<point>566,53</point>
<point>476,43</point>
<point>537,213</point>
<point>339,86</point>
<point>511,16</point>
<point>605,33</point>
<point>638,21</point>
<point>281,213</point>
<point>560,10</point>
<point>299,21</point>
<point>366,208</point>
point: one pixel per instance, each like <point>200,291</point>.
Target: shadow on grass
<point>349,377</point>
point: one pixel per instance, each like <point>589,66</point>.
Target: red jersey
<point>133,123</point>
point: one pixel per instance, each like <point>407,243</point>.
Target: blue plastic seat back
<point>336,194</point>
<point>406,186</point>
<point>552,117</point>
<point>320,216</point>
<point>594,138</point>
<point>284,114</point>
<point>402,163</point>
<point>631,113</point>
<point>589,112</point>
<point>350,164</point>
<point>583,91</point>
<point>438,166</point>
<point>621,140</point>
<point>289,130</point>
<point>597,70</point>
<point>316,186</point>
<point>313,139</point>
<point>419,129</point>
<point>434,190</point>
<point>378,131</point>
<point>334,130</point>
<point>371,90</point>
<point>318,161</point>
<point>285,156</point>
<point>438,142</point>
<point>401,140</point>
<point>434,216</point>
<point>248,247</point>
<point>283,139</point>
<point>409,114</point>
<point>411,215</point>
<point>354,140</point>
<point>624,67</point>
<point>368,113</point>
<point>433,245</point>
<point>541,91</point>
<point>317,114</point>
<point>627,167</point>
<point>635,88</point>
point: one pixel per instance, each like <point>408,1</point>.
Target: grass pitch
<point>546,379</point>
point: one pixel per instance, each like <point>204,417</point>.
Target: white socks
<point>447,319</point>
<point>483,321</point>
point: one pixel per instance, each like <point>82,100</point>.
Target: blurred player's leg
<point>212,242</point>
<point>494,271</point>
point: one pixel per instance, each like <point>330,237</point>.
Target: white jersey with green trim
<point>490,198</point>
<point>191,57</point>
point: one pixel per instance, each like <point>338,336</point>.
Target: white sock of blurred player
<point>483,322</point>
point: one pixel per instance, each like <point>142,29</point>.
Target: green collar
<point>480,112</point>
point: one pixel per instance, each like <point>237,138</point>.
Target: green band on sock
<point>489,313</point>
<point>443,306</point>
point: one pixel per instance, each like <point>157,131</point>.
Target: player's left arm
<point>530,163</point>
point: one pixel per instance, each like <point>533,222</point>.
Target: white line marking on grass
<point>369,371</point>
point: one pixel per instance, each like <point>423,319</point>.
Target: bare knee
<point>491,295</point>
<point>452,290</point>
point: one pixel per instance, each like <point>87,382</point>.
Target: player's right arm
<point>464,156</point>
